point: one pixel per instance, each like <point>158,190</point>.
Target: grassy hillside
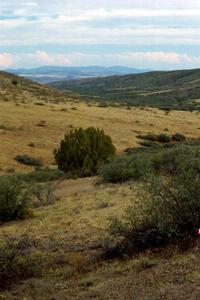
<point>44,125</point>
<point>19,89</point>
<point>175,89</point>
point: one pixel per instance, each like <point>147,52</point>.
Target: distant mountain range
<point>48,74</point>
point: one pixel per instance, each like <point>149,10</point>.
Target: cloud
<point>43,57</point>
<point>148,59</point>
<point>172,58</point>
<point>6,60</point>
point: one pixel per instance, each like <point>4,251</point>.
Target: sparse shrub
<point>150,137</point>
<point>39,103</point>
<point>178,137</point>
<point>10,170</point>
<point>28,160</point>
<point>169,210</point>
<point>19,260</point>
<point>103,104</point>
<point>126,167</point>
<point>31,144</point>
<point>150,144</point>
<point>42,123</point>
<point>7,128</point>
<point>45,193</point>
<point>164,138</point>
<point>82,151</point>
<point>14,199</point>
<point>41,175</point>
<point>166,161</point>
<point>14,82</point>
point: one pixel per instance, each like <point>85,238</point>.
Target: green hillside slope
<point>176,89</point>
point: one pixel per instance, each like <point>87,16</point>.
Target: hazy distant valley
<point>51,74</point>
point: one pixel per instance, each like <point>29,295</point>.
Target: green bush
<point>42,175</point>
<point>169,211</point>
<point>28,160</point>
<point>126,167</point>
<point>178,137</point>
<point>14,199</point>
<point>150,137</point>
<point>83,150</point>
<point>164,138</point>
<point>150,144</point>
<point>19,260</point>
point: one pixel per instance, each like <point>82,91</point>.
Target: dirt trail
<point>75,186</point>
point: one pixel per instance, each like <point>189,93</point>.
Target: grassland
<point>174,89</point>
<point>21,125</point>
<point>72,230</point>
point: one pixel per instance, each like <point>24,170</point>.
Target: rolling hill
<point>174,89</point>
<point>19,89</point>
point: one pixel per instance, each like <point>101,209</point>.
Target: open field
<point>44,125</point>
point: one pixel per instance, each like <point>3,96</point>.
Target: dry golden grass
<point>122,124</point>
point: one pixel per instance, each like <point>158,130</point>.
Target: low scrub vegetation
<point>162,138</point>
<point>178,137</point>
<point>28,160</point>
<point>82,151</point>
<point>169,209</point>
<point>126,167</point>
<point>41,175</point>
<point>19,259</point>
<point>15,200</point>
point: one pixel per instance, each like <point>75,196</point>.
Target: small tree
<point>83,150</point>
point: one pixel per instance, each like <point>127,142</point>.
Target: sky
<point>150,34</point>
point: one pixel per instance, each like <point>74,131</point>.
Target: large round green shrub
<point>83,150</point>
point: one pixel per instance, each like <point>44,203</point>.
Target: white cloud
<point>166,58</point>
<point>153,59</point>
<point>43,57</point>
<point>6,60</point>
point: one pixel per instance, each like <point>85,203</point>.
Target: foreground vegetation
<point>169,210</point>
